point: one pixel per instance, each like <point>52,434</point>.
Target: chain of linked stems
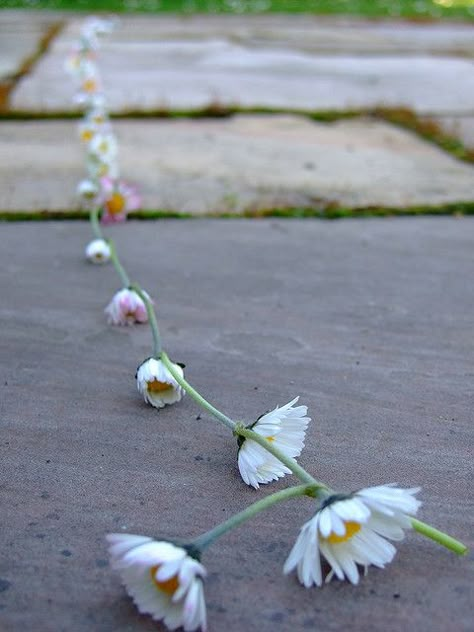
<point>310,486</point>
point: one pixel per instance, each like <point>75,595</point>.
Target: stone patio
<point>233,165</point>
<point>247,162</point>
<point>370,322</point>
<point>271,61</point>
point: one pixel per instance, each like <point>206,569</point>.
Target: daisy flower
<point>98,251</point>
<point>284,428</point>
<point>98,115</point>
<point>99,168</point>
<point>118,198</point>
<point>104,147</point>
<point>87,131</point>
<point>156,383</point>
<point>78,62</point>
<point>87,190</point>
<point>350,531</point>
<point>126,308</point>
<point>93,27</point>
<point>95,122</point>
<point>162,579</point>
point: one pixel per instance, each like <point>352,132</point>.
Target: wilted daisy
<point>118,198</point>
<point>126,308</point>
<point>162,579</point>
<point>284,428</point>
<point>350,531</point>
<point>98,251</point>
<point>156,383</point>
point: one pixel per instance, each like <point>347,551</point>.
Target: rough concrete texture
<point>246,162</point>
<point>310,33</point>
<point>20,37</point>
<point>370,322</point>
<point>280,62</point>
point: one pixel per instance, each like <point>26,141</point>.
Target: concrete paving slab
<point>370,322</point>
<point>20,37</point>
<point>317,34</point>
<point>251,62</point>
<point>236,164</point>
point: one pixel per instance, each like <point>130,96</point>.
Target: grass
<point>418,9</point>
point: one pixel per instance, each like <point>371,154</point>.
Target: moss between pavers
<point>7,84</point>
<point>332,211</point>
<point>403,117</point>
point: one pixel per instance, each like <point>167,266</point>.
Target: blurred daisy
<point>87,131</point>
<point>162,579</point>
<point>350,531</point>
<point>78,62</point>
<point>98,168</point>
<point>104,147</point>
<point>98,251</point>
<point>156,383</point>
<point>126,308</point>
<point>284,428</point>
<point>118,198</point>
<point>95,122</point>
<point>102,159</point>
<point>94,27</point>
<point>98,116</point>
<point>87,190</point>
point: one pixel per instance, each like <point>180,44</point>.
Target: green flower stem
<point>227,421</point>
<point>117,265</point>
<point>206,539</point>
<point>240,429</point>
<point>150,310</point>
<point>290,463</point>
<point>438,536</point>
<point>95,225</point>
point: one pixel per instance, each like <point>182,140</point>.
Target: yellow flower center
<point>271,439</point>
<point>89,85</point>
<point>87,135</point>
<point>158,387</point>
<point>168,586</point>
<point>115,204</point>
<point>351,529</point>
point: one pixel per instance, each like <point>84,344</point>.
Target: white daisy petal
<point>98,251</point>
<point>285,428</point>
<point>352,531</point>
<point>162,578</point>
<point>157,385</point>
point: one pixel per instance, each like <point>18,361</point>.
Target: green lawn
<point>376,8</point>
